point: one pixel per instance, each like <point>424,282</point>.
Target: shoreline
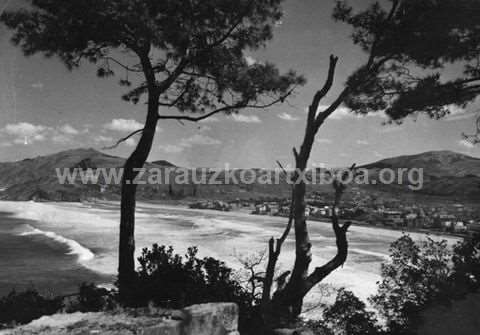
<point>184,205</point>
<point>355,223</point>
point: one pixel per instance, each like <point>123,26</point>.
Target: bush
<point>421,275</point>
<point>91,299</point>
<point>23,307</point>
<point>349,316</point>
<point>172,281</point>
<point>416,275</point>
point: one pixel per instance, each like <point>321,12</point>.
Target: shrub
<point>91,299</point>
<point>417,274</point>
<point>349,316</point>
<point>23,307</point>
<point>172,281</point>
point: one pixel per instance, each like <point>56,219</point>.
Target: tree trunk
<point>286,303</point>
<point>126,261</point>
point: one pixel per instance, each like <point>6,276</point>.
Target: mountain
<point>434,163</point>
<point>164,163</point>
<point>36,178</point>
<point>446,174</point>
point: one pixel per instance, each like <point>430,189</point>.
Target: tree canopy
<point>195,49</point>
<point>426,56</point>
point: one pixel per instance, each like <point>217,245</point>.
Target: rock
<point>167,327</point>
<point>206,319</point>
<point>293,332</point>
<point>212,319</point>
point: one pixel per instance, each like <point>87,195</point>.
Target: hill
<point>36,178</point>
<point>434,163</point>
<point>445,174</point>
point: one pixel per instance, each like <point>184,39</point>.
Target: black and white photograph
<point>240,167</point>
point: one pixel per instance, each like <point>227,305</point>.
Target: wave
<point>370,253</point>
<point>84,254</point>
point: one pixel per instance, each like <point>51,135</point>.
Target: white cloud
<point>189,142</point>
<point>324,141</point>
<point>102,139</point>
<point>246,118</point>
<point>210,119</point>
<point>466,144</point>
<point>198,139</point>
<point>5,144</point>
<point>287,117</point>
<point>37,85</point>
<point>68,129</point>
<point>25,132</point>
<point>61,138</point>
<point>130,142</point>
<point>389,129</point>
<point>342,113</point>
<point>172,149</point>
<point>204,128</point>
<point>250,60</point>
<point>377,154</point>
<point>362,142</point>
<point>23,128</point>
<point>457,113</point>
<point>28,133</point>
<point>124,125</point>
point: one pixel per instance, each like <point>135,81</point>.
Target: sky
<point>45,108</point>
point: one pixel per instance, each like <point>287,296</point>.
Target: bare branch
<point>341,240</point>
<point>232,28</point>
<point>123,139</point>
<point>239,105</point>
<point>325,89</point>
<point>108,58</point>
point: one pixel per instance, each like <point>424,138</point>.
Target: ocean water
<point>56,246</point>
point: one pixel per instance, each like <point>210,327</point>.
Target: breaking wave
<point>84,254</point>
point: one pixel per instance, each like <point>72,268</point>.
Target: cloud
<point>210,119</point>
<point>324,141</point>
<point>250,60</point>
<point>189,142</point>
<point>123,125</point>
<point>199,139</point>
<point>466,144</point>
<point>288,117</point>
<point>204,128</point>
<point>61,138</point>
<point>102,139</point>
<point>25,132</point>
<point>389,128</point>
<point>5,144</point>
<point>130,142</point>
<point>37,85</point>
<point>28,133</point>
<point>246,118</point>
<point>171,148</point>
<point>362,142</point>
<point>342,113</point>
<point>457,113</point>
<point>68,129</point>
<point>377,154</point>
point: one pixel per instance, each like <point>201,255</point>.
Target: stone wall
<point>205,319</point>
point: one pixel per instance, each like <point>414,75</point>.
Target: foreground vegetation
<point>419,276</point>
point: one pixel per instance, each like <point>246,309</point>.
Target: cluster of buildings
<point>212,205</point>
<point>450,218</point>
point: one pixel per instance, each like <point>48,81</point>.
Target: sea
<point>54,247</point>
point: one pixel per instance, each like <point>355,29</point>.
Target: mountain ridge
<point>446,173</point>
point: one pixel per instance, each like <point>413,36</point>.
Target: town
<point>451,218</point>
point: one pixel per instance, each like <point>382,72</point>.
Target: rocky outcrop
<point>205,319</point>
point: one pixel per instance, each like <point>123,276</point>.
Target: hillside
<point>36,178</point>
<point>446,174</point>
<point>434,163</point>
